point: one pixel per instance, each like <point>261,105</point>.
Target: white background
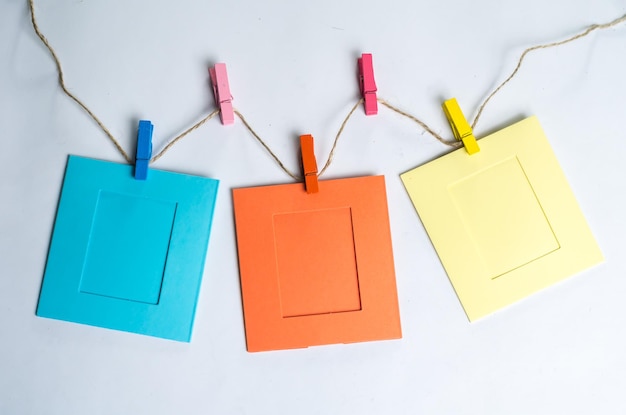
<point>292,67</point>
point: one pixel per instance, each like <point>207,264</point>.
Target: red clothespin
<point>309,165</point>
<point>221,91</point>
<point>368,84</point>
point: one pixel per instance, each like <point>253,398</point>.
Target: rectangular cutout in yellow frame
<point>504,221</point>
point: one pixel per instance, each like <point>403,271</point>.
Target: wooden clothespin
<point>221,91</point>
<point>460,127</point>
<point>309,165</point>
<point>367,84</point>
<point>144,149</point>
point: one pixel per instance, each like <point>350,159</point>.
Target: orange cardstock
<point>316,268</point>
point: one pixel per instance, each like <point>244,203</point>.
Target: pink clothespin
<point>367,84</point>
<point>221,91</point>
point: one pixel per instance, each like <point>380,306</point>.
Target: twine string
<point>544,46</point>
<point>343,124</point>
<point>269,150</point>
<point>423,125</point>
<point>57,62</point>
<point>183,134</point>
<point>451,143</point>
<point>93,116</point>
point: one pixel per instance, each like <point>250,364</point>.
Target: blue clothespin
<point>144,149</point>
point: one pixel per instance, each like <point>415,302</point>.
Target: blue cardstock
<point>128,254</point>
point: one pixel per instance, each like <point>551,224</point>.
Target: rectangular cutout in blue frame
<point>128,254</point>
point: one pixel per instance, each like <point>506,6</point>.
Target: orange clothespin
<point>309,165</point>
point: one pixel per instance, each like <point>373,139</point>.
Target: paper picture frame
<point>503,221</point>
<point>128,254</point>
<point>316,268</point>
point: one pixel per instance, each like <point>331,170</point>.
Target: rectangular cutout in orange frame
<point>316,268</point>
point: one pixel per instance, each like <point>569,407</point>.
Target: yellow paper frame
<point>480,289</point>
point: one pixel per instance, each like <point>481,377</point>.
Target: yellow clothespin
<point>460,127</point>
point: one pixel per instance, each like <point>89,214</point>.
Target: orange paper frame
<point>316,268</point>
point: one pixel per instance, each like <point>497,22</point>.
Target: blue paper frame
<point>128,254</point>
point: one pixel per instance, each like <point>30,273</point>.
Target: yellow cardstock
<point>504,221</point>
